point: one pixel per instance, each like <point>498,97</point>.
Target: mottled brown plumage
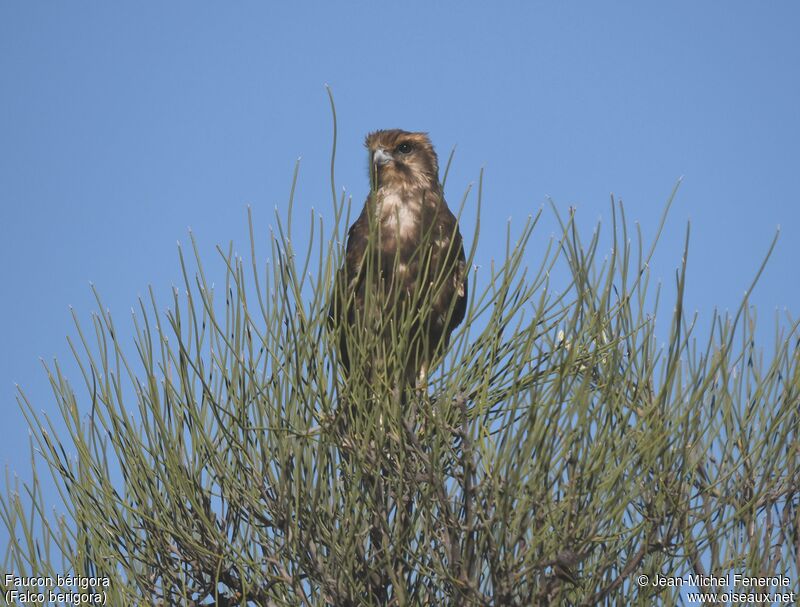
<point>404,267</point>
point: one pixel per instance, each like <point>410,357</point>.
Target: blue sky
<point>122,125</point>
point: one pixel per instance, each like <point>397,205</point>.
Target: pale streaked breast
<point>398,214</point>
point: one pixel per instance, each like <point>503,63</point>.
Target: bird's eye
<point>404,148</point>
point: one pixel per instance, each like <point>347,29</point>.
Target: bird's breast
<point>398,214</point>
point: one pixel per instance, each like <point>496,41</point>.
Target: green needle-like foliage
<point>554,456</point>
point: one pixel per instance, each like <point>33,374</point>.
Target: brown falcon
<point>404,279</point>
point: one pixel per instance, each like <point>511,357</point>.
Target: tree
<point>556,457</point>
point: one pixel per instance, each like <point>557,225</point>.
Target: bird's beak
<point>380,156</point>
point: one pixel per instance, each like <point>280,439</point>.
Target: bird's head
<point>402,158</point>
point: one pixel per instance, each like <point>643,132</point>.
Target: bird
<point>404,279</point>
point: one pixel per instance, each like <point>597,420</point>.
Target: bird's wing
<point>349,275</point>
<point>456,267</point>
<point>461,283</point>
